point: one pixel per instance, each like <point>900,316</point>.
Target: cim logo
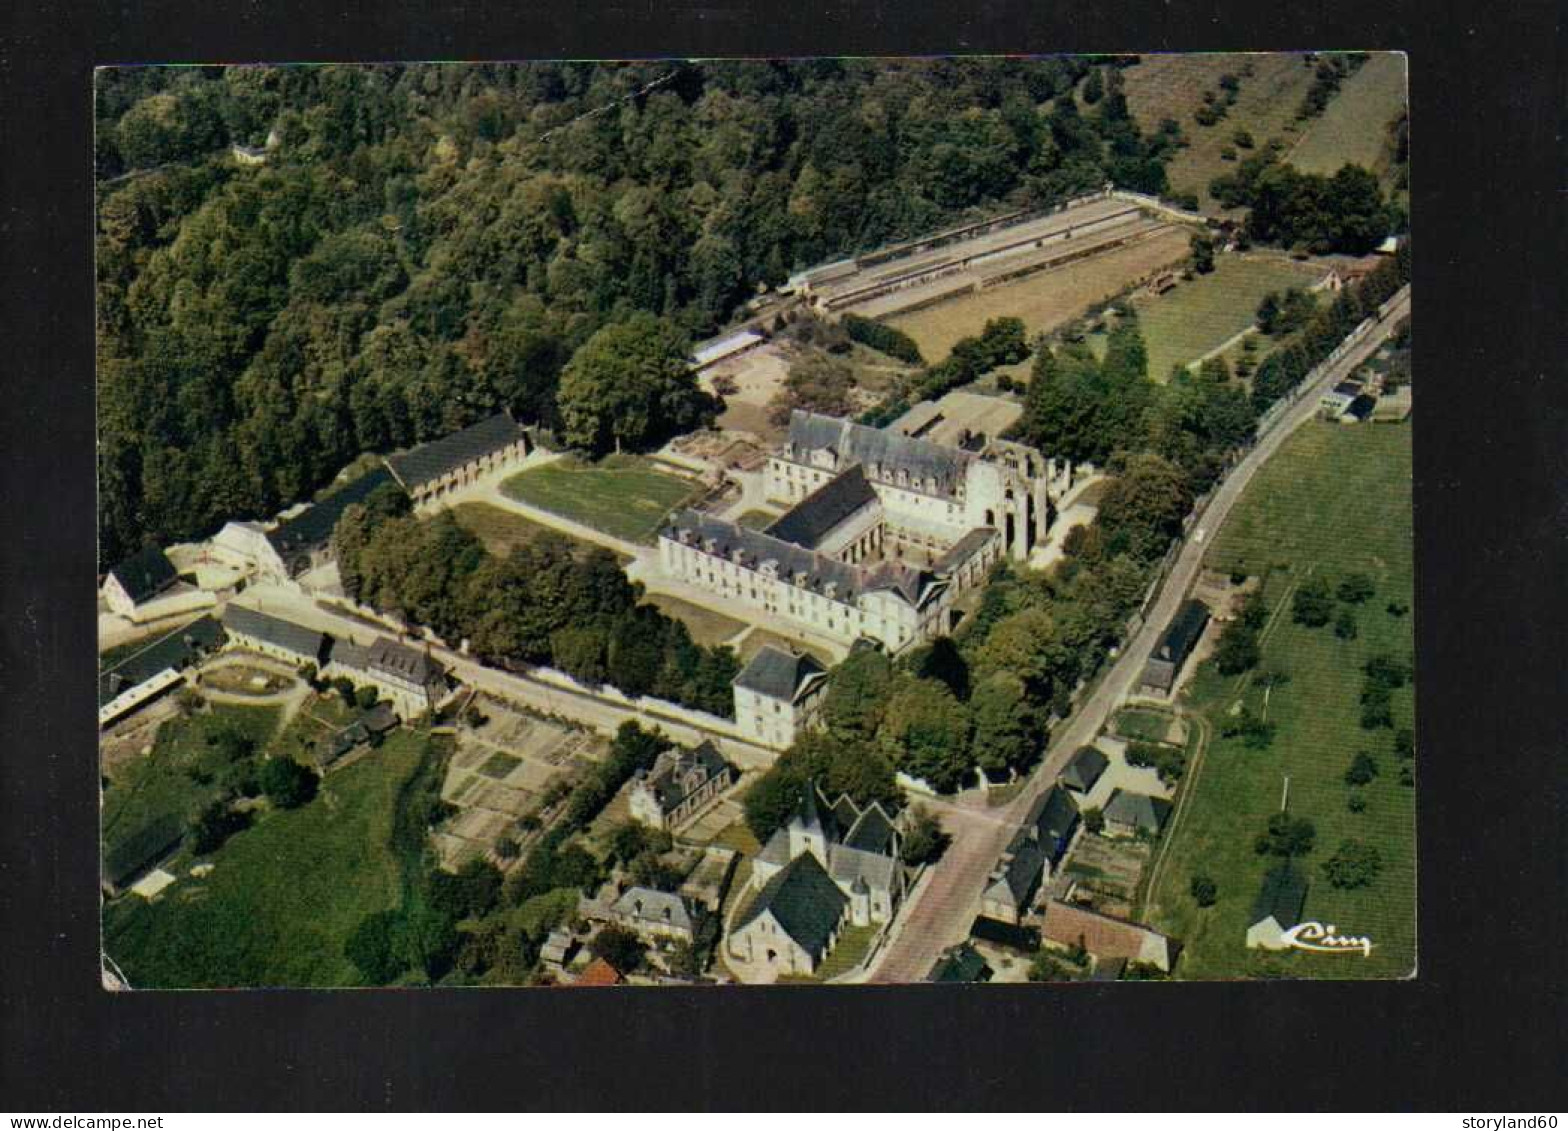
<point>1314,936</point>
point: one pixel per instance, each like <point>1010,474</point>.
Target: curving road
<point>939,913</point>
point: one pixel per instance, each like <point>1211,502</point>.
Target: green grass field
<point>1197,316</point>
<point>283,896</point>
<point>1354,127</point>
<point>620,495</point>
<point>161,785</point>
<point>1142,725</point>
<point>705,625</point>
<point>1172,86</point>
<point>1334,500</point>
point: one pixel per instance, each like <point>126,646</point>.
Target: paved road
<point>939,914</point>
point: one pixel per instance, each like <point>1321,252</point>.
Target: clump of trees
<point>816,383</point>
<point>1286,836</point>
<point>287,784</point>
<point>1355,864</point>
<point>1346,212</point>
<point>427,244</point>
<point>883,338</point>
<point>545,603</point>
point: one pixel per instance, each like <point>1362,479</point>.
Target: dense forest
<point>424,244</point>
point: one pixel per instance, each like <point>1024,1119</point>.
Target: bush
<point>1312,604</point>
<point>216,824</point>
<point>1093,819</point>
<point>1355,864</point>
<point>1345,625</point>
<point>287,784</point>
<point>1237,650</point>
<point>1204,890</point>
<point>883,338</point>
<point>1363,768</point>
<point>375,947</point>
<point>925,841</point>
<point>1356,802</point>
<point>365,698</point>
<point>1355,588</point>
<point>1405,743</point>
<point>619,947</point>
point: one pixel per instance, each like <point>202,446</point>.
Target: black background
<point>1479,1029</point>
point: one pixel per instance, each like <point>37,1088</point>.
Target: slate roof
<point>964,549</point>
<point>1012,936</point>
<point>667,778</point>
<point>312,528</point>
<point>1183,631</point>
<point>1283,896</point>
<point>654,907</point>
<point>1085,769</point>
<point>396,659</point>
<point>962,963</point>
<point>810,521</point>
<point>883,451</point>
<point>145,574</point>
<point>845,811</point>
<point>1053,817</point>
<point>438,457</point>
<point>1017,871</point>
<point>177,650</point>
<point>275,630</point>
<point>778,674</point>
<point>818,570</point>
<point>805,902</point>
<point>1137,809</point>
<point>1361,407</point>
<point>874,870</point>
<point>871,832</point>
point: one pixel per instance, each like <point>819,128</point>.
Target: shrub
<point>1093,819</point>
<point>1204,890</point>
<point>1356,802</point>
<point>1363,768</point>
<point>1312,605</point>
<point>1355,588</point>
<point>216,824</point>
<point>883,338</point>
<point>287,784</point>
<point>619,947</point>
<point>1345,625</point>
<point>365,698</point>
<point>1354,864</point>
<point>1405,743</point>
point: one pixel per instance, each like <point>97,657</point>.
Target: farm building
<point>1175,646</point>
<point>1129,814</point>
<point>273,636</point>
<point>304,541</point>
<point>141,678</point>
<point>1104,936</point>
<point>1277,908</point>
<point>722,349</point>
<point>777,695</point>
<point>138,580</point>
<point>435,469</point>
<point>411,679</point>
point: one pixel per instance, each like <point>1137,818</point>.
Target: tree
<point>375,947</point>
<point>619,947</point>
<point>1003,724</point>
<point>287,784</point>
<point>1345,625</point>
<point>1363,768</point>
<point>1312,605</point>
<point>1202,248</point>
<point>924,840</point>
<point>214,825</point>
<point>1204,890</point>
<point>630,384</point>
<point>926,733</point>
<point>1405,743</point>
<point>1047,967</point>
<point>1237,649</point>
<point>1143,507</point>
<point>365,697</point>
<point>1286,836</point>
<point>1355,588</point>
<point>1268,313</point>
<point>469,893</point>
<point>1355,864</point>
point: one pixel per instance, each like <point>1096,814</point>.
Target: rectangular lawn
<point>283,896</point>
<point>620,495</point>
<point>1201,314</point>
<point>1335,499</point>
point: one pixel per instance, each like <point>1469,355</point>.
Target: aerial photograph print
<point>699,522</point>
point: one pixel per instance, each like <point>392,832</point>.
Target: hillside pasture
<point>1354,127</point>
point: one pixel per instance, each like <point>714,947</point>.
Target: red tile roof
<point>1104,936</point>
<point>599,973</point>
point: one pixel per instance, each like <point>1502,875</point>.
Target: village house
<point>778,695</point>
<point>1180,638</point>
<point>681,784</point>
<point>1085,769</point>
<point>442,466</point>
<point>1339,398</point>
<point>138,580</point>
<point>793,921</point>
<point>1129,814</point>
<point>654,914</point>
<point>1030,857</point>
<point>858,849</point>
<point>410,678</point>
<point>1104,936</point>
<point>1278,907</point>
